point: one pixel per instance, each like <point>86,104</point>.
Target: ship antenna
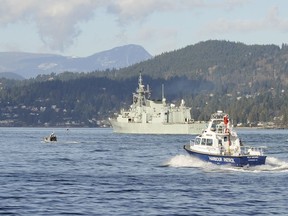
<point>140,79</point>
<point>148,91</point>
<point>162,91</point>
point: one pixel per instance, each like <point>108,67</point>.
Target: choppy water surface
<point>96,172</point>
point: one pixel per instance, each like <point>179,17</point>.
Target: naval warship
<point>146,116</point>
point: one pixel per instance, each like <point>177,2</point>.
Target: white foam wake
<point>272,165</point>
<point>184,161</point>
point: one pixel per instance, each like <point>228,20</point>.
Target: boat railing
<point>249,150</point>
<point>220,128</point>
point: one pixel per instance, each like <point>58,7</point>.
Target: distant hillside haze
<point>250,82</point>
<point>27,65</point>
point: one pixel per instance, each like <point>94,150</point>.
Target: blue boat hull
<point>238,161</point>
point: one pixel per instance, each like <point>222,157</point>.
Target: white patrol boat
<point>219,144</point>
<point>147,116</point>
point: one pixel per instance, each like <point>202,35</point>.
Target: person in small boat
<point>53,137</point>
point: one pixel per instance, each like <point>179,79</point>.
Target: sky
<point>84,27</point>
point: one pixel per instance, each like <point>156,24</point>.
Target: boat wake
<point>185,161</point>
<point>275,164</point>
<point>61,142</point>
<point>272,165</point>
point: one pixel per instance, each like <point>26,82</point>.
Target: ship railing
<point>249,150</point>
<point>219,127</point>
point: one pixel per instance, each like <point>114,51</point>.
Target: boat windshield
<point>197,141</point>
<point>209,142</point>
<point>203,142</point>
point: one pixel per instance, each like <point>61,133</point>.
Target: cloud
<point>57,23</point>
<point>128,10</point>
<point>56,20</point>
<point>271,21</point>
<point>167,36</point>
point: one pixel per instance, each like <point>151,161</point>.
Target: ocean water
<point>97,172</point>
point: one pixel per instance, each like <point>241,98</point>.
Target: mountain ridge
<point>29,65</point>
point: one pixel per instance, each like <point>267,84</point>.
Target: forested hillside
<point>224,63</point>
<point>249,82</point>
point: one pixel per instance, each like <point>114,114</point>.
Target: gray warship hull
<point>157,128</point>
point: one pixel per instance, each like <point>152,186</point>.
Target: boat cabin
<point>216,144</point>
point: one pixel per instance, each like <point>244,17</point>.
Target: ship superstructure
<point>155,117</point>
